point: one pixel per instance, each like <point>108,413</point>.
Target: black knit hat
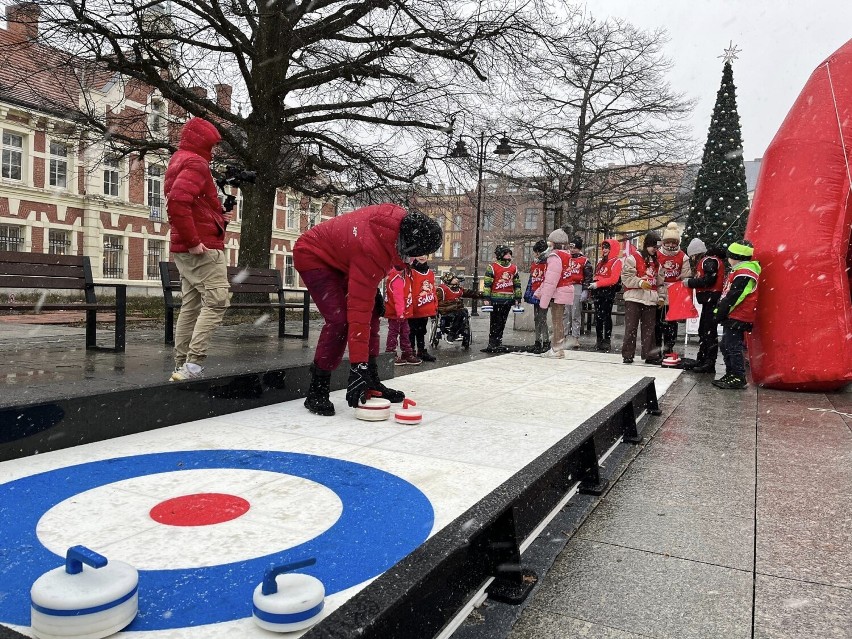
<point>577,242</point>
<point>418,235</point>
<point>540,246</point>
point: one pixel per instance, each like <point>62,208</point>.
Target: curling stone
<point>518,309</point>
<point>376,409</point>
<point>406,415</point>
<point>84,604</point>
<point>487,308</point>
<point>671,360</point>
<point>288,602</point>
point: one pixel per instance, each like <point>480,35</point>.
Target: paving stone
<point>789,609</point>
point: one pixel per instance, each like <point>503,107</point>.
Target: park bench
<point>39,272</point>
<point>242,280</point>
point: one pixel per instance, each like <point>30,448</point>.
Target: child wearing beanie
<point>642,279</point>
<point>675,266</point>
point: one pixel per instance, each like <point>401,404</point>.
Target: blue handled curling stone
<point>71,601</point>
<point>518,309</point>
<point>486,308</point>
<point>288,602</point>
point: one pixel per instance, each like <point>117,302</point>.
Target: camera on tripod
<point>233,176</point>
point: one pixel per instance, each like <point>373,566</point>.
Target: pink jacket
<point>548,291</point>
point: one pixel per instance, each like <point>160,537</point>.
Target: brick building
<point>63,190</point>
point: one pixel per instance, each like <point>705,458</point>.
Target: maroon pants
<point>398,332</point>
<point>328,291</point>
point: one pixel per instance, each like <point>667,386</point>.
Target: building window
<point>155,191</point>
<point>58,242</point>
<point>456,249</point>
<point>111,177</point>
<point>155,256</point>
<point>531,219</point>
<point>158,120</point>
<point>289,272</point>
<point>315,215</point>
<point>11,238</point>
<point>486,251</point>
<point>488,220</point>
<point>13,153</point>
<point>511,187</point>
<point>292,213</point>
<point>528,253</point>
<point>58,165</point>
<point>509,220</point>
<point>457,222</point>
<point>113,257</point>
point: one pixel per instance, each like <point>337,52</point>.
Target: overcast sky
<point>781,42</point>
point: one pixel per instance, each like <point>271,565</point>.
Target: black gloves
<point>379,308</point>
<point>356,389</point>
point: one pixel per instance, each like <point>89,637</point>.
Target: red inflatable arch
<point>800,227</point>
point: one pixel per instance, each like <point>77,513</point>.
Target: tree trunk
<point>257,218</point>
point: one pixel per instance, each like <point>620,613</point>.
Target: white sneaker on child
<point>186,372</point>
<point>552,354</point>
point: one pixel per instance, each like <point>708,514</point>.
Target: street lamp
<point>504,150</point>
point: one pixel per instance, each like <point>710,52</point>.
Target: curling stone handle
<point>270,587</point>
<point>79,555</point>
<point>373,393</point>
<point>408,402</point>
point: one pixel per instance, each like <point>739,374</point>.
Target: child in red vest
<point>538,268</point>
<point>398,303</point>
<point>604,287</point>
<point>424,305</point>
<point>502,289</point>
<point>736,312</point>
<point>674,263</point>
<point>708,281</point>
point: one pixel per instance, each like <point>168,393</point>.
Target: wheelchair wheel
<point>434,334</point>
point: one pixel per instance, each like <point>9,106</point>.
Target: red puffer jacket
<point>192,202</point>
<point>362,246</point>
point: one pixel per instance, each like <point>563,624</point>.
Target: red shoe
<point>400,360</point>
<point>412,359</point>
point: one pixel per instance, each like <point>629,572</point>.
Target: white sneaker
<point>575,343</point>
<point>186,372</point>
<point>552,354</point>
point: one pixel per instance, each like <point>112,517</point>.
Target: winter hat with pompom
<point>672,232</point>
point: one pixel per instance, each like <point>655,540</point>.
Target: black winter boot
<point>536,349</point>
<point>393,396</point>
<point>317,400</point>
<point>425,356</point>
<point>606,345</point>
<point>545,347</point>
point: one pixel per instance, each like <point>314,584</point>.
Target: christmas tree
<point>718,210</point>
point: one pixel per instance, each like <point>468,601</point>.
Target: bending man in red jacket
<point>342,261</point>
<point>197,245</point>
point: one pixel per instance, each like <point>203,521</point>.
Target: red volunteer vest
<point>575,269</point>
<point>504,279</point>
<point>671,265</point>
<point>423,290</point>
<point>717,286</point>
<point>645,272</point>
<point>391,312</point>
<point>565,276</point>
<point>746,310</point>
<point>604,269</point>
<point>537,271</point>
<point>449,294</point>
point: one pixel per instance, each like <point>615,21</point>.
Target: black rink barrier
<point>422,593</point>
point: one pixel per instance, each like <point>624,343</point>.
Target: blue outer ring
<point>383,519</point>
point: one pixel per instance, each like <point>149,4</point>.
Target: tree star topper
<point>730,53</point>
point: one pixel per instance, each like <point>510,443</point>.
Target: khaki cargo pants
<point>204,290</point>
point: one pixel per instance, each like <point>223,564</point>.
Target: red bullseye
<point>201,509</point>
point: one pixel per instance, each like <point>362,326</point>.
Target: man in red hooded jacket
<point>197,245</point>
<point>342,261</point>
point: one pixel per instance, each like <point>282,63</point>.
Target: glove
<point>593,286</point>
<point>356,388</point>
<point>379,308</point>
<point>661,302</point>
<point>584,296</point>
<point>645,285</point>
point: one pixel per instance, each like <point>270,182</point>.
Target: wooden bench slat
<point>254,288</point>
<point>56,307</point>
<point>22,281</point>
<point>40,258</point>
<point>50,270</point>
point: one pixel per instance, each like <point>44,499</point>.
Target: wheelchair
<point>441,325</point>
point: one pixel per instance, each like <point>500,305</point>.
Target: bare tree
<point>596,98</point>
<point>336,97</point>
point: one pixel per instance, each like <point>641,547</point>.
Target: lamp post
<point>504,150</point>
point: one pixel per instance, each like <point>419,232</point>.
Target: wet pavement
<point>732,519</point>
